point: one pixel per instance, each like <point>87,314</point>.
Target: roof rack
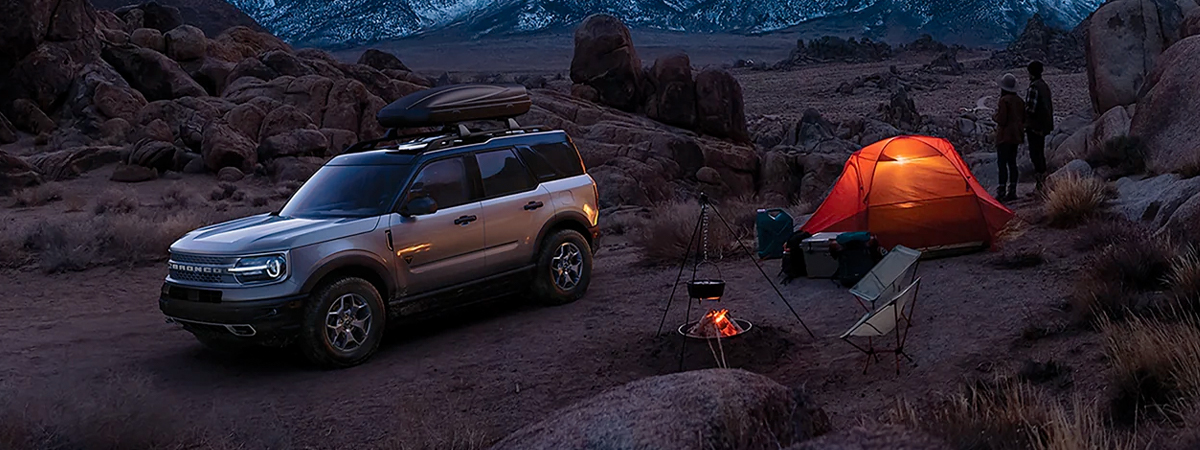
<point>450,135</point>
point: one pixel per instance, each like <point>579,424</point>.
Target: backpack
<point>856,253</point>
<point>792,265</point>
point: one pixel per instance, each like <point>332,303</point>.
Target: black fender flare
<point>573,220</point>
<point>365,260</point>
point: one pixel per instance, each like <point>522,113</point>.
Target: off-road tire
<point>314,342</point>
<point>545,291</point>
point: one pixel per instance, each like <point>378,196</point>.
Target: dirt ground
<point>491,370</point>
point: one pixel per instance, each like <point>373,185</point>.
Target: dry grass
<point>1121,278</point>
<point>1103,233</point>
<point>666,237</point>
<point>1126,153</point>
<point>177,196</point>
<point>1007,415</point>
<point>1074,199</point>
<point>37,195</point>
<point>1184,280</point>
<point>1156,367</point>
<point>71,244</point>
<point>224,191</point>
<point>116,201</point>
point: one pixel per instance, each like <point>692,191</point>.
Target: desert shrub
<point>223,191</point>
<point>259,201</point>
<point>12,248</point>
<point>665,238</point>
<point>38,195</point>
<point>623,222</point>
<point>1184,281</point>
<point>741,213</point>
<point>1124,152</point>
<point>1074,199</point>
<point>132,240</point>
<point>64,245</point>
<point>177,196</point>
<point>116,201</point>
<point>71,244</point>
<point>1103,233</point>
<point>1119,277</point>
<point>1156,365</point>
<point>1005,415</point>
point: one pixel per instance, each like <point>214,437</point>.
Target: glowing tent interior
<point>914,191</point>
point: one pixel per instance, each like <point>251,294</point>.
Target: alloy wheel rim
<point>348,322</point>
<point>566,268</point>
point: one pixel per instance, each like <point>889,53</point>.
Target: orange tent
<point>914,191</point>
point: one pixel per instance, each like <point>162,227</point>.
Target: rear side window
<point>503,173</point>
<point>552,161</point>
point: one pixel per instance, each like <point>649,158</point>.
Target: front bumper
<point>203,312</point>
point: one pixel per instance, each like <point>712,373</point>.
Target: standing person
<point>1010,124</point>
<point>1039,120</point>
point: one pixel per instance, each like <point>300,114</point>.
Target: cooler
<point>817,260</point>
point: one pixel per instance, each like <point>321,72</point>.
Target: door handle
<point>533,205</point>
<point>464,220</point>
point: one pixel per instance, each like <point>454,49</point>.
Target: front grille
<point>202,259</point>
<point>197,277</point>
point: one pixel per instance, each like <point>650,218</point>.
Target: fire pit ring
<point>745,325</point>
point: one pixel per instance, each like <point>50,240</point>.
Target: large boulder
<point>161,17</point>
<point>247,119</point>
<point>185,43</point>
<point>1182,221</point>
<point>1165,118</point>
<point>699,409</point>
<point>29,23</point>
<point>249,42</point>
<point>31,119</point>
<point>381,60</point>
<point>117,101</point>
<point>44,76</point>
<point>1123,39</point>
<point>877,437</point>
<point>1191,24</point>
<point>606,60</point>
<point>151,73</point>
<point>225,146</point>
<point>301,142</point>
<point>720,108</point>
<point>75,161</point>
<point>16,174</point>
<point>673,100</point>
<point>1153,199</point>
<point>149,38</point>
<point>283,119</point>
<point>153,153</point>
<point>900,111</point>
<point>1077,168</point>
<point>8,133</point>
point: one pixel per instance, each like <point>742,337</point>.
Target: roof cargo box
<point>455,103</point>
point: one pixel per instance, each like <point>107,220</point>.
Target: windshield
<point>347,191</point>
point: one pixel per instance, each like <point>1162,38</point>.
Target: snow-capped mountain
<point>340,22</point>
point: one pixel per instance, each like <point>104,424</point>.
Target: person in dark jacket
<point>1039,120</point>
<point>1010,127</point>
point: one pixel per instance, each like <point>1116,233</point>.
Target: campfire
<point>715,324</point>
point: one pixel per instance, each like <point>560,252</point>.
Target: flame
<point>718,320</point>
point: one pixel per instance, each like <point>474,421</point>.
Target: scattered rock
<point>29,118</point>
<point>117,101</point>
<point>250,43</point>
<point>381,60</point>
<point>686,410</point>
<point>186,43</point>
<point>72,162</point>
<point>926,43</point>
<point>673,100</point>
<point>945,64</point>
<point>836,49</point>
<point>1077,167</point>
<point>151,73</point>
<point>900,111</point>
<point>156,154</point>
<point>8,133</point>
<point>224,146</point>
<point>128,173</point>
<point>708,175</point>
<point>149,38</point>
<point>720,109</point>
<point>606,60</point>
<point>116,130</point>
<point>16,174</point>
<point>877,437</point>
<point>1165,120</point>
<point>230,174</point>
<point>1123,39</point>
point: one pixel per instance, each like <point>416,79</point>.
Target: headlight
<point>260,268</point>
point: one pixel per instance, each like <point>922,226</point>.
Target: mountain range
<point>353,22</point>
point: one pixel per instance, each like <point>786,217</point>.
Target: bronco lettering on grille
<point>196,269</point>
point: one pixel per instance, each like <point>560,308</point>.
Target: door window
<point>445,181</point>
<point>503,173</point>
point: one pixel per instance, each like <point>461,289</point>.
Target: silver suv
<point>432,222</point>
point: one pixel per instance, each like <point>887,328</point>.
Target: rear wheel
<point>343,323</point>
<point>564,268</point>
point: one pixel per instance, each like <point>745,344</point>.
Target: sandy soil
<point>493,369</point>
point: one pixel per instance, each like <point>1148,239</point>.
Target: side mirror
<point>419,206</point>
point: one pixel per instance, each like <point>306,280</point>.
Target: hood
<point>265,233</point>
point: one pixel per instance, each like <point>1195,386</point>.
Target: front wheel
<point>564,268</point>
<point>343,323</point>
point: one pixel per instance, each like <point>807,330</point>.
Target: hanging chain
<point>704,225</point>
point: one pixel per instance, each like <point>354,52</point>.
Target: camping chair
<point>892,317</point>
<point>893,272</point>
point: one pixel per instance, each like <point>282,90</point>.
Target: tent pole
<point>764,273</point>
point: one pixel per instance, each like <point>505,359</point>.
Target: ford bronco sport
<point>423,224</point>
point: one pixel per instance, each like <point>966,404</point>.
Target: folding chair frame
<point>863,301</point>
<point>904,321</point>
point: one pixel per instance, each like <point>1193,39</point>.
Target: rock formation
<point>1124,37</point>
